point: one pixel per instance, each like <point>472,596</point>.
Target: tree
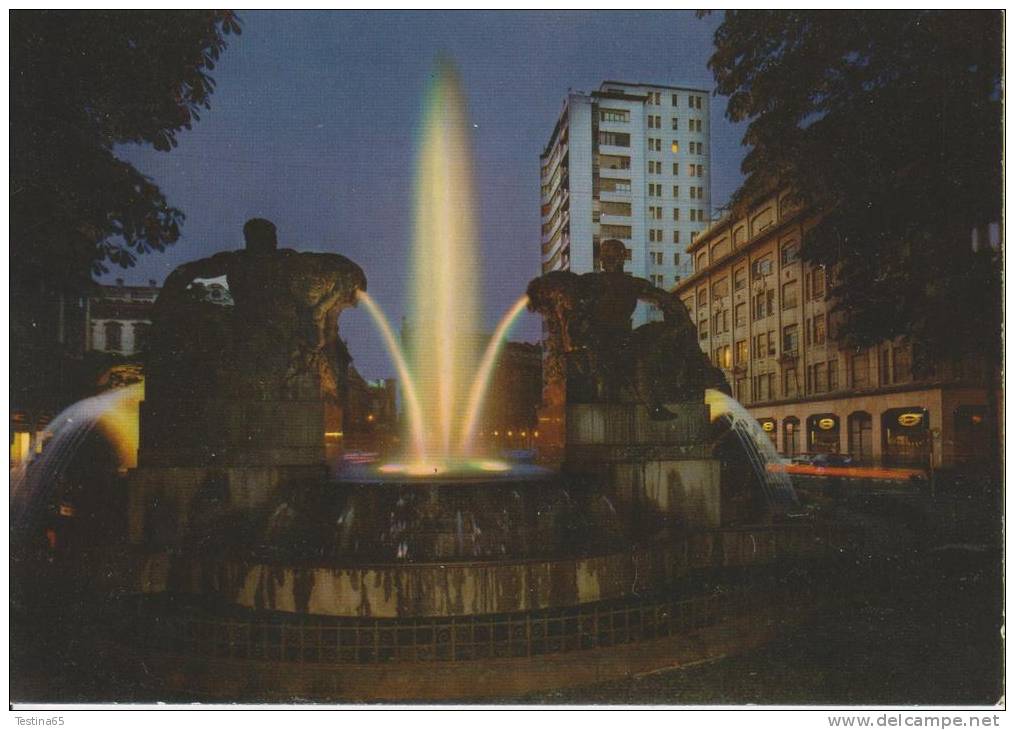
<point>81,84</point>
<point>889,124</point>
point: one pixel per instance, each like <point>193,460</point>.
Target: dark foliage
<point>81,83</point>
<point>889,123</point>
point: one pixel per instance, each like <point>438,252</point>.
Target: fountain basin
<point>434,589</point>
<point>459,514</point>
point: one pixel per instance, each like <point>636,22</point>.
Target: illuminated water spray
<point>758,447</point>
<point>446,304</point>
<point>412,408</point>
<point>113,413</point>
<point>482,380</point>
<point>444,390</point>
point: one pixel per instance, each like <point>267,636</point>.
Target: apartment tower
<point>629,161</point>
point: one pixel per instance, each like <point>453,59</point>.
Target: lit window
<point>675,147</point>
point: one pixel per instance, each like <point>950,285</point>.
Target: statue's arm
<point>175,286</point>
<point>669,303</point>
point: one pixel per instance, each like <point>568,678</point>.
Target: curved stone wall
<point>467,589</point>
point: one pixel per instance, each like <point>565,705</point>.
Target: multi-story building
<point>764,316</point>
<point>119,317</point>
<point>631,162</point>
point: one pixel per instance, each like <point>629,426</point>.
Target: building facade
<point>110,319</point>
<point>510,416</point>
<point>629,161</point>
<point>764,316</point>
<point>119,317</point>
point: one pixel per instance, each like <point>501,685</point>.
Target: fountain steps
<point>269,658</point>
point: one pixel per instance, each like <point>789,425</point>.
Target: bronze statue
<point>277,326</point>
<point>593,350</point>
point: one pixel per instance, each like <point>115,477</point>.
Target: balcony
<point>622,195</point>
<point>615,219</point>
<point>613,150</point>
<point>614,126</point>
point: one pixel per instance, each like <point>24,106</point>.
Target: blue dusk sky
<point>313,125</point>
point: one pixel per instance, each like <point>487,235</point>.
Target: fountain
<point>256,573</point>
<point>114,413</point>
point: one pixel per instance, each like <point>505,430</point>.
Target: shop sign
<point>910,419</point>
<point>826,424</point>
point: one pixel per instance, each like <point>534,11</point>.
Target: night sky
<point>314,121</point>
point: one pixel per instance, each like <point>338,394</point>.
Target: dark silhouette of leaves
<point>889,123</point>
<point>81,83</point>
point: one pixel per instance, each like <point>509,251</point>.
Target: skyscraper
<point>629,161</point>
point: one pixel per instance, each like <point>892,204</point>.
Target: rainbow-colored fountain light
<point>443,384</point>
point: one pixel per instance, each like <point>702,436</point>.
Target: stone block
<point>165,502</point>
<point>684,492</point>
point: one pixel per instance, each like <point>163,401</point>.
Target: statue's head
<point>259,235</point>
<point>612,254</point>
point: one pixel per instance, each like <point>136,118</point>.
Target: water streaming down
<point>447,312</point>
<point>412,406</point>
<point>481,381</point>
<point>758,447</point>
<point>113,413</point>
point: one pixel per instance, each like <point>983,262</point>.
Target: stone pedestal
<point>201,459</point>
<point>235,431</point>
<point>165,503</point>
<point>657,469</point>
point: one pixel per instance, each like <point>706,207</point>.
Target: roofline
<point>733,253</point>
<point>656,86</point>
<point>776,191</point>
<point>605,94</point>
<point>548,148</point>
<point>130,286</point>
<point>617,95</point>
<point>705,233</point>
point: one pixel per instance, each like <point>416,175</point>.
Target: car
<point>832,460</point>
<point>823,459</point>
